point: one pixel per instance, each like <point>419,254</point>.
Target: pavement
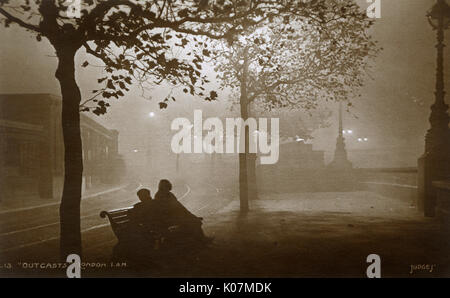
<point>284,235</point>
<point>322,235</point>
<point>316,235</point>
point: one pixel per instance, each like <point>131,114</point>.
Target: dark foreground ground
<point>320,235</point>
<point>294,235</point>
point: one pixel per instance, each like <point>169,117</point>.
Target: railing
<point>389,170</point>
<point>400,183</point>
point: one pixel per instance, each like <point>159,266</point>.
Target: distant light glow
<point>151,114</point>
<point>298,139</point>
<point>135,150</point>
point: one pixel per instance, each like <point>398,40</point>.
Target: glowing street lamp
<point>363,139</point>
<point>298,139</point>
<point>348,131</point>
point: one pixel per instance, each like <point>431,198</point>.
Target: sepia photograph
<point>224,145</point>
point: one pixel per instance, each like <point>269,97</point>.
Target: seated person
<point>144,215</point>
<point>142,234</point>
<point>175,215</point>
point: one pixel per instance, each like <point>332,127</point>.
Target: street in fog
<point>25,230</point>
<point>224,138</point>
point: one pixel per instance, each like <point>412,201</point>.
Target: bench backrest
<point>119,219</point>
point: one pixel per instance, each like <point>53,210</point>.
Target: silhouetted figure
<point>180,221</point>
<point>144,224</point>
<point>158,229</point>
<point>138,239</point>
<point>142,211</point>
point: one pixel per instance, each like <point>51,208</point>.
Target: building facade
<point>32,148</point>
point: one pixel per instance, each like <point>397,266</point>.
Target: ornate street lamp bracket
<point>440,11</point>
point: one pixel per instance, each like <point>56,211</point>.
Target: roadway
<point>32,234</point>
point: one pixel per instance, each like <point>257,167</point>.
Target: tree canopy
<point>135,38</point>
<point>299,59</point>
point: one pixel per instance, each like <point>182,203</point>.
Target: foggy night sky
<point>392,113</point>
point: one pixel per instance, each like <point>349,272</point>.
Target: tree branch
<point>19,21</point>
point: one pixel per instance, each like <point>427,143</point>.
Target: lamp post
<point>340,161</point>
<point>434,164</point>
<point>439,19</point>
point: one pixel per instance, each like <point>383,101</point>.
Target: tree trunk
<point>243,181</point>
<point>252,184</point>
<point>251,169</point>
<point>243,176</point>
<point>70,230</point>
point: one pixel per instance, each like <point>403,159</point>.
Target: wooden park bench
<point>126,247</point>
<point>119,220</point>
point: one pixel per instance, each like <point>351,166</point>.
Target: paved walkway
<point>319,234</point>
<point>296,235</point>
